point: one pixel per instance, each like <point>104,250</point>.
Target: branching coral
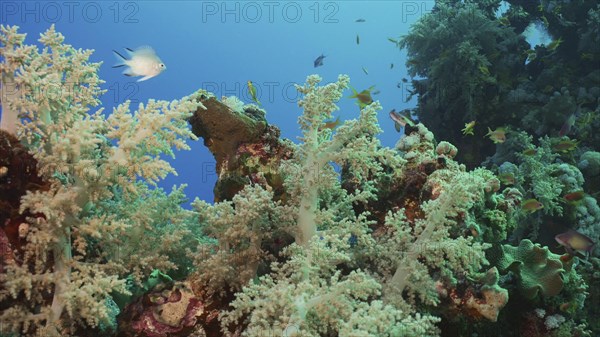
<point>92,164</point>
<point>338,269</point>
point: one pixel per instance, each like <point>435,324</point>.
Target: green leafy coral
<point>538,270</point>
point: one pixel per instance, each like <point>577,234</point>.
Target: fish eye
<point>162,65</point>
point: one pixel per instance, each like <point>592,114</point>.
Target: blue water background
<point>219,46</point>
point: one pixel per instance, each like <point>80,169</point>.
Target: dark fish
<point>400,120</point>
<point>360,20</point>
<point>357,39</point>
<point>319,61</point>
<point>404,80</point>
<point>391,66</point>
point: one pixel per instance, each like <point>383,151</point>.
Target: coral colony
<point>404,241</point>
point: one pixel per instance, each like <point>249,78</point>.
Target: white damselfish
<point>142,62</point>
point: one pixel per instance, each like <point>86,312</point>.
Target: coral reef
<point>403,241</point>
<point>472,61</point>
<point>537,270</point>
<point>96,170</point>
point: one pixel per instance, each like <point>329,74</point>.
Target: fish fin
<point>397,126</point>
<point>129,49</point>
<point>122,61</point>
<point>128,72</point>
<point>145,50</point>
<point>145,78</point>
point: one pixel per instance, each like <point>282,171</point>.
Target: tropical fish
<point>319,61</point>
<point>360,20</point>
<point>530,152</point>
<point>469,127</point>
<point>363,98</point>
<point>587,56</point>
<point>252,91</point>
<point>574,197</point>
<point>504,21</point>
<point>330,124</point>
<point>565,145</point>
<point>484,70</point>
<point>574,241</point>
<point>554,44</point>
<point>531,205</point>
<point>566,127</point>
<point>400,120</point>
<point>569,307</point>
<point>357,39</point>
<point>507,178</point>
<point>365,71</point>
<point>142,62</point>
<point>497,136</point>
<point>568,124</point>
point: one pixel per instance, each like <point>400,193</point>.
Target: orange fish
<point>574,241</point>
<point>531,205</point>
<point>330,124</point>
<point>507,178</point>
<point>574,196</point>
<point>363,98</point>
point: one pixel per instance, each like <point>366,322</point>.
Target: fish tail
<point>121,60</point>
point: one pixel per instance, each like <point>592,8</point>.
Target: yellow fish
<point>252,91</point>
<point>363,98</point>
<point>469,127</point>
<point>531,205</point>
<point>497,136</point>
